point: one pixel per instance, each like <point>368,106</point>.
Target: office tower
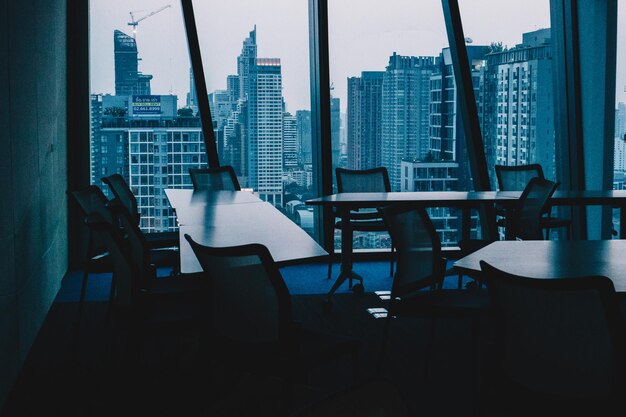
<point>435,176</point>
<point>405,94</point>
<point>335,127</point>
<point>192,95</point>
<point>523,101</point>
<point>233,86</point>
<point>364,120</point>
<point>128,80</point>
<point>290,141</point>
<point>265,130</point>
<point>620,120</point>
<point>245,62</point>
<point>160,158</point>
<point>303,126</point>
<point>447,136</point>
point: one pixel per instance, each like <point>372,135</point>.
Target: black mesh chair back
<point>214,179</point>
<point>362,181</point>
<point>516,177</point>
<point>562,337</point>
<point>122,192</point>
<point>125,270</point>
<point>419,264</point>
<point>250,301</point>
<point>526,219</point>
<point>92,200</point>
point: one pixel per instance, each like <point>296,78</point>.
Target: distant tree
<point>115,111</point>
<point>185,112</point>
<point>495,47</point>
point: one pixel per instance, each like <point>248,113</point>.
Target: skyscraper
<point>128,80</point>
<point>265,130</point>
<point>303,126</point>
<point>523,101</point>
<point>290,141</point>
<point>405,95</point>
<point>335,134</point>
<point>364,120</point>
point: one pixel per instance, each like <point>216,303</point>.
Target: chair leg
<point>383,347</point>
<point>391,262</point>
<point>330,266</point>
<point>429,349</point>
<point>460,282</point>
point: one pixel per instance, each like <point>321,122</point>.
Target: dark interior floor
<point>72,372</point>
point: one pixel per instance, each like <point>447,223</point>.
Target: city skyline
<point>163,48</point>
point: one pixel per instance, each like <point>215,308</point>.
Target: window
<point>140,86</point>
<point>394,103</point>
<point>259,94</point>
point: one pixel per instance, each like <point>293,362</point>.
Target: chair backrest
<point>516,177</point>
<point>561,337</point>
<point>526,218</point>
<point>125,269</point>
<point>418,248</point>
<point>363,181</point>
<point>250,301</point>
<point>122,192</point>
<point>214,179</point>
<point>92,200</point>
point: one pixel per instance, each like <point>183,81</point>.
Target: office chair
<point>122,192</point>
<point>251,316</point>
<point>515,178</point>
<point>417,290</point>
<point>214,179</point>
<point>361,181</point>
<point>559,345</point>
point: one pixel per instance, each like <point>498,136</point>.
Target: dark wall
<point>33,208</point>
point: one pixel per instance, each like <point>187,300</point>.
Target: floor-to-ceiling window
<point>143,124</point>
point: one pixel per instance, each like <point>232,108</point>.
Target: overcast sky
<point>363,34</point>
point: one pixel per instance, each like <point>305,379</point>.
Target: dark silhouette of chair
<point>141,300</point>
<point>122,192</point>
<point>251,316</point>
<point>417,285</point>
<point>559,348</point>
<point>214,179</point>
<point>364,220</point>
<point>515,178</point>
<point>91,200</point>
<point>524,220</point>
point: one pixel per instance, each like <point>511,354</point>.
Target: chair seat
<point>553,222</point>
<point>162,239</point>
<point>364,225</point>
<point>444,303</point>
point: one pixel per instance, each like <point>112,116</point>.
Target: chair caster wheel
<point>358,289</point>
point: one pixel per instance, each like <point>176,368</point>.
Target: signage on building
<point>148,105</point>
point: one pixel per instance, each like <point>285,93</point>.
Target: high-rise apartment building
<point>364,120</point>
<point>128,79</point>
<point>523,103</point>
<point>290,141</point>
<point>265,130</point>
<point>405,101</point>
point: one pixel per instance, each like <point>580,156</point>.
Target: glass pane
<point>141,123</point>
<point>619,164</point>
<point>390,70</point>
<point>256,63</point>
<point>510,51</point>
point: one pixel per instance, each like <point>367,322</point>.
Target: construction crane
<point>134,22</point>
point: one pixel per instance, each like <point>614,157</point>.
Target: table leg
<point>622,221</point>
<point>346,256</point>
<point>466,216</point>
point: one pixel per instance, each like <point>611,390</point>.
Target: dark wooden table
<point>232,218</point>
<point>464,200</point>
<point>552,259</point>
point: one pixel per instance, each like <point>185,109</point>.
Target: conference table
<point>344,203</point>
<point>233,218</point>
<point>551,259</point>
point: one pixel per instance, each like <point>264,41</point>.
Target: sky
<point>362,36</point>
